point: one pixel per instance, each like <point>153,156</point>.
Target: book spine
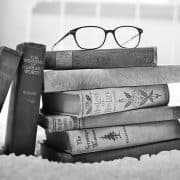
<point>104,58</point>
<point>24,100</point>
<point>56,81</point>
<point>59,123</point>
<point>9,61</point>
<point>104,101</point>
<point>100,139</point>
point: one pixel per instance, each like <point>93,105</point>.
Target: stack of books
<point>97,104</point>
<point>107,104</point>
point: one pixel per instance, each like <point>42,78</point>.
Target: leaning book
<point>9,61</point>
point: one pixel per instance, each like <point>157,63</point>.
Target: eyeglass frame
<point>73,33</point>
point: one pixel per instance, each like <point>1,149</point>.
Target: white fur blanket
<point>165,165</point>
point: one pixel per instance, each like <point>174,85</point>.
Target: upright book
<point>49,153</point>
<point>67,80</point>
<point>9,61</point>
<point>24,100</point>
<point>101,58</point>
<point>103,101</point>
<point>109,138</point>
<point>60,123</point>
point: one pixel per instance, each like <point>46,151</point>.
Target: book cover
<point>24,100</point>
<point>109,138</point>
<point>49,153</point>
<point>9,61</point>
<point>101,58</point>
<point>60,123</point>
<point>103,101</point>
<point>67,80</point>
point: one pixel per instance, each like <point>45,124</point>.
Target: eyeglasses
<point>93,37</point>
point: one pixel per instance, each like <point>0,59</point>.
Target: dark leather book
<point>101,58</point>
<point>9,61</point>
<point>25,100</point>
<point>136,152</point>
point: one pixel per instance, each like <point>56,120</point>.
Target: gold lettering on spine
<point>60,123</point>
<point>91,139</point>
<point>98,102</point>
<point>126,134</point>
<point>32,65</point>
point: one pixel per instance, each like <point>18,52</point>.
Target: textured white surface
<point>166,165</point>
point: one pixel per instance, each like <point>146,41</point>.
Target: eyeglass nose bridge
<point>112,32</point>
<point>72,32</point>
<point>109,31</point>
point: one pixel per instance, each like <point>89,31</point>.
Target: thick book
<point>47,152</point>
<point>101,58</point>
<point>25,100</point>
<point>109,138</point>
<point>60,123</point>
<point>9,61</point>
<point>67,80</point>
<point>103,101</point>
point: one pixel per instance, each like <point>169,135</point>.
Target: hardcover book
<point>49,153</point>
<point>60,123</point>
<point>67,80</point>
<point>9,61</point>
<point>103,101</point>
<point>101,58</point>
<point>24,100</point>
<point>109,138</point>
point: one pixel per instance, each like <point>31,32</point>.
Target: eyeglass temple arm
<point>130,39</point>
<point>60,40</point>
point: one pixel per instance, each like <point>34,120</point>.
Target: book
<point>9,61</point>
<point>49,153</point>
<point>24,100</point>
<point>101,58</point>
<point>67,80</point>
<point>60,123</point>
<point>109,138</point>
<point>103,101</point>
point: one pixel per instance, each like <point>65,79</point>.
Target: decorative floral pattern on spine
<point>103,101</point>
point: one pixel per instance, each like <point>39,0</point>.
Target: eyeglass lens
<point>127,37</point>
<point>95,36</point>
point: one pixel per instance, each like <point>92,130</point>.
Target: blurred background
<point>45,21</point>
